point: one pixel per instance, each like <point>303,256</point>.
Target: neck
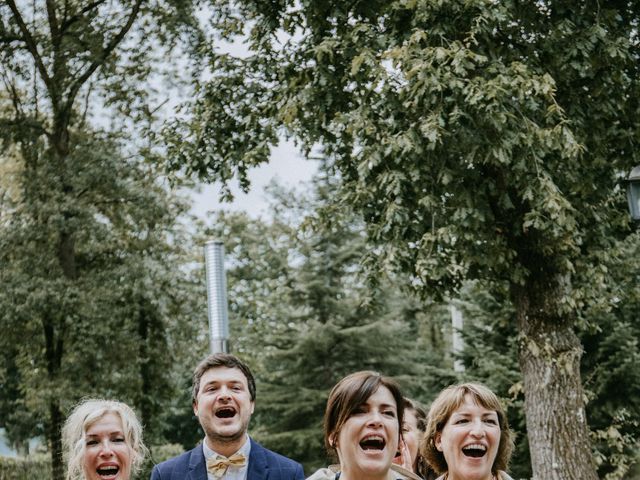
<point>226,448</point>
<point>347,475</point>
<point>449,476</point>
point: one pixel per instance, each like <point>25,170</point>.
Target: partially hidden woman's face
<point>368,440</point>
<point>411,433</point>
<point>469,441</point>
<point>107,455</point>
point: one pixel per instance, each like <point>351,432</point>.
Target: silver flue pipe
<point>216,297</point>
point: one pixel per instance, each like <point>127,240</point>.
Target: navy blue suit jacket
<point>263,465</point>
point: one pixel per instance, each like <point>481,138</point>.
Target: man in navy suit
<point>223,396</point>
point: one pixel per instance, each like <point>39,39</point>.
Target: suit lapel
<point>258,466</point>
<point>197,466</point>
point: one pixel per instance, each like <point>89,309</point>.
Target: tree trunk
<point>57,466</point>
<point>549,356</point>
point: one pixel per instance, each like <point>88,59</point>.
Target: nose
<point>375,418</point>
<point>477,429</point>
<point>224,393</point>
<point>106,449</point>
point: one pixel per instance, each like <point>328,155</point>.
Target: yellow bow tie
<point>219,466</point>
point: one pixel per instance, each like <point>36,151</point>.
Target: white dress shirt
<point>233,473</point>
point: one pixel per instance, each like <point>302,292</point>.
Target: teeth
<point>476,446</point>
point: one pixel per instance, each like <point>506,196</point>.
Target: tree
<point>610,346</point>
<point>479,139</point>
<point>303,315</point>
<point>115,323</point>
<point>63,63</point>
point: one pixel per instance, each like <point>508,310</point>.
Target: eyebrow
<point>114,432</point>
<point>223,382</point>
<point>468,414</point>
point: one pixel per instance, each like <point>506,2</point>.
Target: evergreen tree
<point>306,316</point>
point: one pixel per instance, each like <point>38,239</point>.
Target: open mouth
<point>226,412</point>
<point>373,442</point>
<point>475,450</point>
<point>108,472</point>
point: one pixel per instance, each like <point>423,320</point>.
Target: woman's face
<point>107,455</point>
<point>368,440</point>
<point>411,436</point>
<point>469,441</point>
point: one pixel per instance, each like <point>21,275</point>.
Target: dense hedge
<point>29,468</point>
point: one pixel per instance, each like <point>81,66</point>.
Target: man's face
<point>223,405</point>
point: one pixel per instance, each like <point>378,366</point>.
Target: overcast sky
<point>286,165</point>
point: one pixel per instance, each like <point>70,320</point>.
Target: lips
<point>226,412</point>
<point>108,471</point>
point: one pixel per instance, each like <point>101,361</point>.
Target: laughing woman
<point>467,436</point>
<point>362,424</point>
<point>102,439</point>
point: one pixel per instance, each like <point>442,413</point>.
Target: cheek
<point>126,457</point>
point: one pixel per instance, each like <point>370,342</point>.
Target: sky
<point>286,165</point>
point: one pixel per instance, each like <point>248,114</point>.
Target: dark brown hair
<point>222,360</point>
<point>350,393</point>
<point>421,467</point>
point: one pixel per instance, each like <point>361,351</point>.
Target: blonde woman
<point>102,439</point>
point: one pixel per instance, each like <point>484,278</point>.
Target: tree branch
<point>71,20</point>
<point>11,38</point>
<point>32,47</point>
<point>75,86</point>
<point>53,23</point>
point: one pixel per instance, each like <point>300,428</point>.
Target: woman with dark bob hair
<point>362,425</point>
<point>467,435</point>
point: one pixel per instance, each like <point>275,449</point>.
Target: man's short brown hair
<point>227,360</point>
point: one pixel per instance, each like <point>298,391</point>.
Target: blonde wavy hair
<point>83,416</point>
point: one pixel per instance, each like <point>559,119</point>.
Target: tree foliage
<point>479,140</point>
<point>115,322</point>
<point>88,233</point>
<point>304,315</point>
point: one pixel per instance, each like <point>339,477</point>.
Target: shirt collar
<point>245,449</point>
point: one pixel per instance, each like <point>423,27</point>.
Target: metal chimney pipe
<point>216,296</point>
<point>457,323</point>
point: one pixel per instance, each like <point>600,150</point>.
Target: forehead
<point>382,396</point>
<point>108,423</point>
<point>410,417</point>
<point>471,404</point>
<point>223,375</point>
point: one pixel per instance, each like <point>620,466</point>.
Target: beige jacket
<point>396,473</point>
<point>501,476</point>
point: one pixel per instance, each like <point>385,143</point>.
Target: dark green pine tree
<point>306,316</point>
